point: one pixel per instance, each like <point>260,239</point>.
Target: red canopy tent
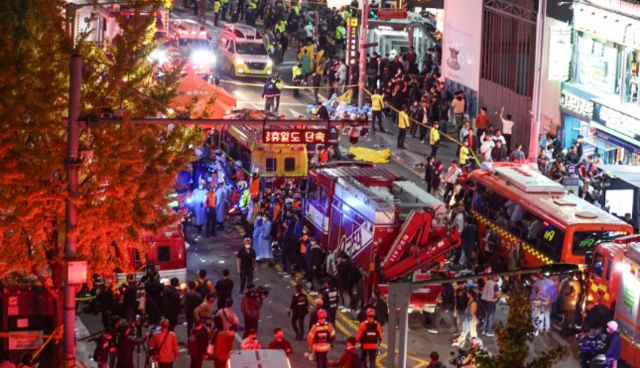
<point>194,86</point>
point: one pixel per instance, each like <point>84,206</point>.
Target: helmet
<point>371,312</point>
<point>220,180</point>
<point>247,240</point>
<point>322,314</point>
<point>613,325</point>
<point>238,164</point>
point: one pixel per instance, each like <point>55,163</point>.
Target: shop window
<point>271,165</point>
<point>630,92</point>
<point>164,254</point>
<point>597,64</point>
<point>289,164</point>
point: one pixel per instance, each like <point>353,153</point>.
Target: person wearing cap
<point>403,125</point>
<point>246,264</point>
<point>320,339</point>
<point>369,336</point>
<point>164,345</point>
<point>613,344</point>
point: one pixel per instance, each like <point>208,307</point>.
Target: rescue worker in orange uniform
<point>320,339</point>
<point>210,226</point>
<point>254,186</point>
<point>369,336</point>
<point>323,155</point>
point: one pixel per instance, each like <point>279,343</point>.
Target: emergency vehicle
<point>522,205</point>
<point>188,30</point>
<point>242,52</point>
<point>614,281</point>
<point>389,227</point>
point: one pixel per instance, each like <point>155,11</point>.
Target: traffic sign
<point>388,14</point>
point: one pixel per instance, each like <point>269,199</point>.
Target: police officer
<point>224,6</point>
<point>250,16</point>
<point>279,87</point>
<point>330,298</point>
<point>298,309</point>
<point>216,12</point>
<point>403,126</point>
<point>377,104</point>
<point>296,71</point>
<point>320,339</point>
<point>269,94</point>
<point>369,335</point>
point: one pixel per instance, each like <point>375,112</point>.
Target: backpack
<point>202,288</point>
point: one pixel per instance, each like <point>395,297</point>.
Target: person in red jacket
<point>350,357</point>
<point>369,336</point>
<point>223,345</point>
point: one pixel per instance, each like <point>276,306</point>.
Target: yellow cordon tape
<point>534,252</point>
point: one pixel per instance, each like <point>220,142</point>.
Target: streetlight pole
<point>72,163</point>
<point>536,102</point>
<point>364,24</point>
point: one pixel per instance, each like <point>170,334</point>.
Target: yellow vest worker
<point>340,32</point>
<point>377,102</point>
<point>434,136</point>
<point>403,120</point>
<point>216,7</point>
<point>464,155</point>
<point>253,5</point>
<point>296,71</point>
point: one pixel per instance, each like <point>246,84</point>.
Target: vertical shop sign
<point>559,53</point>
<point>352,41</point>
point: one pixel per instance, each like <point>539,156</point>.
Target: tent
<point>194,86</point>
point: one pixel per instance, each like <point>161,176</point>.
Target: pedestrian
<point>382,309</point>
<point>130,298</point>
<point>491,241</point>
<point>437,177</point>
<point>517,155</point>
<point>320,339</point>
<point>164,346</point>
<point>570,290</point>
<point>224,288</point>
<point>227,316</point>
<point>125,344</point>
<point>153,296</point>
<point>313,316</point>
<point>263,246</point>
<point>445,308</point>
<point>287,242</point>
<point>350,357</point>
<point>613,344</point>
<point>377,104</point>
<point>203,285</point>
<point>210,207</point>
<point>434,139</point>
<point>104,346</point>
<point>469,238</point>
<point>429,170</point>
<point>279,342</point>
<point>315,82</point>
<point>458,105</point>
<point>216,11</point>
<point>451,179</point>
<point>369,336</point>
<point>204,311</point>
<point>549,296</point>
<point>298,309</point>
<point>470,320</point>
<point>305,65</point>
<point>330,298</point>
<point>488,300</point>
<point>221,203</point>
<point>269,92</point>
<point>250,306</point>
<point>251,341</point>
<point>298,77</point>
<point>315,262</point>
<point>223,344</point>
<point>197,344</point>
<point>507,127</point>
<point>202,10</point>
<point>482,123</point>
<point>486,148</point>
<point>192,299</point>
<point>246,264</point>
<point>171,302</point>
<point>403,126</point>
<point>198,206</point>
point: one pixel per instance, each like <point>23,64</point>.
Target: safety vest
<point>254,187</point>
<point>224,2</point>
<point>346,14</point>
<point>340,32</point>
<point>370,337</point>
<point>434,136</point>
<point>322,333</point>
<point>295,9</point>
<point>403,120</point>
<point>216,7</point>
<point>332,297</point>
<point>211,200</point>
<point>296,71</point>
<point>464,155</point>
<point>253,5</point>
<point>323,157</point>
<point>244,200</point>
<point>279,84</point>
<point>377,102</point>
<point>303,244</point>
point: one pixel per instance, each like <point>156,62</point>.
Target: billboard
<point>461,47</point>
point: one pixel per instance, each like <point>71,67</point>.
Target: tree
<point>513,339</point>
<point>123,188</point>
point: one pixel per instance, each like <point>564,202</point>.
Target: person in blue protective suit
<point>221,203</point>
<point>198,203</point>
<point>263,247</point>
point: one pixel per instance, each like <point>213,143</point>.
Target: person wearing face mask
<point>198,202</point>
<point>263,247</point>
<point>246,264</point>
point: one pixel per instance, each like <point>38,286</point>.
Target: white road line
<point>239,94</point>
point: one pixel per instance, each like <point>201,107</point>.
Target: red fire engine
<point>389,227</point>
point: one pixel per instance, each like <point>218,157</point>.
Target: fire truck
<point>389,227</point>
<point>614,281</point>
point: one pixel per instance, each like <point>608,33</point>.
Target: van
<point>263,358</point>
<point>242,52</point>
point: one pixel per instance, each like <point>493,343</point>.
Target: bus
<point>522,205</point>
<point>275,163</point>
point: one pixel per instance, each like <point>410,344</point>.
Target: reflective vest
<point>340,32</point>
<point>211,200</point>
<point>216,7</point>
<point>301,304</point>
<point>295,9</point>
<point>377,102</point>
<point>464,155</point>
<point>370,337</point>
<point>244,200</point>
<point>434,136</point>
<point>403,120</point>
<point>331,296</point>
<point>296,71</point>
<point>253,5</point>
<point>322,333</point>
<point>346,14</point>
<point>323,157</point>
<point>224,2</point>
<point>279,85</point>
<point>254,187</point>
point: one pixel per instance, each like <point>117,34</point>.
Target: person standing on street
<point>381,307</point>
<point>403,126</point>
<point>250,307</point>
<point>216,11</point>
<point>369,336</point>
<point>197,344</point>
<point>125,345</point>
<point>315,82</point>
<point>203,286</point>
<point>297,75</point>
<point>279,87</point>
<point>224,288</point>
<point>153,294</point>
<point>330,299</point>
<point>192,299</point>
<point>103,348</point>
<point>279,342</point>
<point>129,298</point>
<point>488,300</point>
<point>377,104</point>
<point>451,179</point>
<point>227,315</point>
<point>165,346</point>
<point>204,311</point>
<point>320,339</point>
<point>288,244</point>
<point>202,10</point>
<point>434,139</point>
<point>171,302</point>
<point>469,236</point>
<point>269,94</point>
<point>223,344</point>
<point>298,309</point>
<point>570,289</point>
<point>210,203</point>
<point>246,264</point>
<point>507,128</point>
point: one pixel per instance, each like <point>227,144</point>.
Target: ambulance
<point>242,53</point>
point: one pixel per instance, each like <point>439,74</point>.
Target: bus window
<point>598,265</point>
<point>289,164</point>
<point>584,241</point>
<point>271,165</point>
<point>164,254</point>
<point>609,266</point>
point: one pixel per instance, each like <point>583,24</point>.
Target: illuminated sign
<point>294,136</point>
<point>616,120</point>
<point>388,14</point>
<point>576,105</point>
<point>559,53</point>
<point>352,40</point>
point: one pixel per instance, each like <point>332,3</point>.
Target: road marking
<point>237,93</point>
<point>380,359</point>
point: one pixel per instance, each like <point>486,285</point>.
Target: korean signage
<point>294,136</point>
<point>388,14</point>
<point>616,120</point>
<point>25,342</point>
<point>559,53</point>
<point>352,40</point>
<point>575,105</point>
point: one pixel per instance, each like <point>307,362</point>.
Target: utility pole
<point>72,164</point>
<point>364,24</point>
<point>536,102</point>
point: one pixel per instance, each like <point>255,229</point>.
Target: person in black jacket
<point>288,245</point>
<point>171,303</point>
<point>153,291</point>
<point>382,309</point>
<point>224,288</point>
<point>103,348</point>
<point>315,262</point>
<point>126,344</point>
<point>429,173</point>
<point>445,308</point>
<point>192,299</point>
<point>197,345</point>
<point>343,266</point>
<point>130,298</point>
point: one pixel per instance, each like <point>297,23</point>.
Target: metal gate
<point>507,65</point>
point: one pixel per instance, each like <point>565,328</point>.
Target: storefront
<point>620,129</point>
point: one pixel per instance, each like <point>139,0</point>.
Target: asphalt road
<point>219,253</point>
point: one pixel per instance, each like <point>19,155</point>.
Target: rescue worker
<point>254,185</point>
<point>403,126</point>
<point>323,155</point>
<point>224,6</point>
<point>244,202</point>
<point>221,204</point>
<point>434,139</point>
<point>464,154</point>
<point>369,336</point>
<point>330,298</point>
<point>279,87</point>
<point>298,309</point>
<point>340,34</point>
<point>377,104</point>
<point>297,74</point>
<point>295,8</point>
<point>320,339</point>
<point>269,94</point>
<point>210,227</point>
<point>216,12</point>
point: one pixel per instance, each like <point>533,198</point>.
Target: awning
<point>616,138</point>
<point>192,86</point>
<point>626,173</point>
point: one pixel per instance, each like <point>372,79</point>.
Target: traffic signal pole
<point>364,24</point>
